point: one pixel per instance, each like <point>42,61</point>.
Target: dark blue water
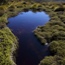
<point>30,50</point>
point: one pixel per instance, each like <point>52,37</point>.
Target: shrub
<point>53,46</point>
<point>47,61</point>
<point>2,11</point>
<point>52,60</point>
<point>59,8</point>
<point>11,8</point>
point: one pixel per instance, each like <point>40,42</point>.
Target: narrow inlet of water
<point>30,50</point>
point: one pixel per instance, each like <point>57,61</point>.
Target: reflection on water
<point>30,50</point>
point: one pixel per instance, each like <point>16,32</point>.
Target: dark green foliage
<point>53,32</point>
<point>2,11</point>
<point>6,46</point>
<point>2,25</point>
<point>58,47</point>
<point>47,61</point>
<point>53,60</point>
<point>11,8</point>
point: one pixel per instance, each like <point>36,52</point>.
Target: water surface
<point>30,50</point>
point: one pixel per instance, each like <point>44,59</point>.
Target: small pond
<point>30,50</point>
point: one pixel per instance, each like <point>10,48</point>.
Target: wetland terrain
<point>46,30</point>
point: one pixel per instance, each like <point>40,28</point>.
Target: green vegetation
<point>7,46</point>
<point>53,60</point>
<point>53,32</point>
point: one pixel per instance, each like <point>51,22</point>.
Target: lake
<point>30,50</point>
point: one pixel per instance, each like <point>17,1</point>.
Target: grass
<point>7,44</point>
<point>53,32</point>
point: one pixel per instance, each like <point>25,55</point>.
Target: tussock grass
<point>53,32</point>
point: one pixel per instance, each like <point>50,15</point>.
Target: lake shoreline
<point>13,9</point>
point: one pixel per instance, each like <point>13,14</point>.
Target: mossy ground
<point>7,46</point>
<point>53,32</point>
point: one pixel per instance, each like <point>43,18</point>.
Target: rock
<point>46,43</point>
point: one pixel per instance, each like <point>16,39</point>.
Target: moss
<point>58,48</point>
<point>52,32</point>
<point>2,11</point>
<point>6,46</point>
<point>46,61</point>
<point>11,8</point>
<point>52,60</point>
<point>58,8</point>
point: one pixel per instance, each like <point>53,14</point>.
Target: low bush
<point>2,11</point>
